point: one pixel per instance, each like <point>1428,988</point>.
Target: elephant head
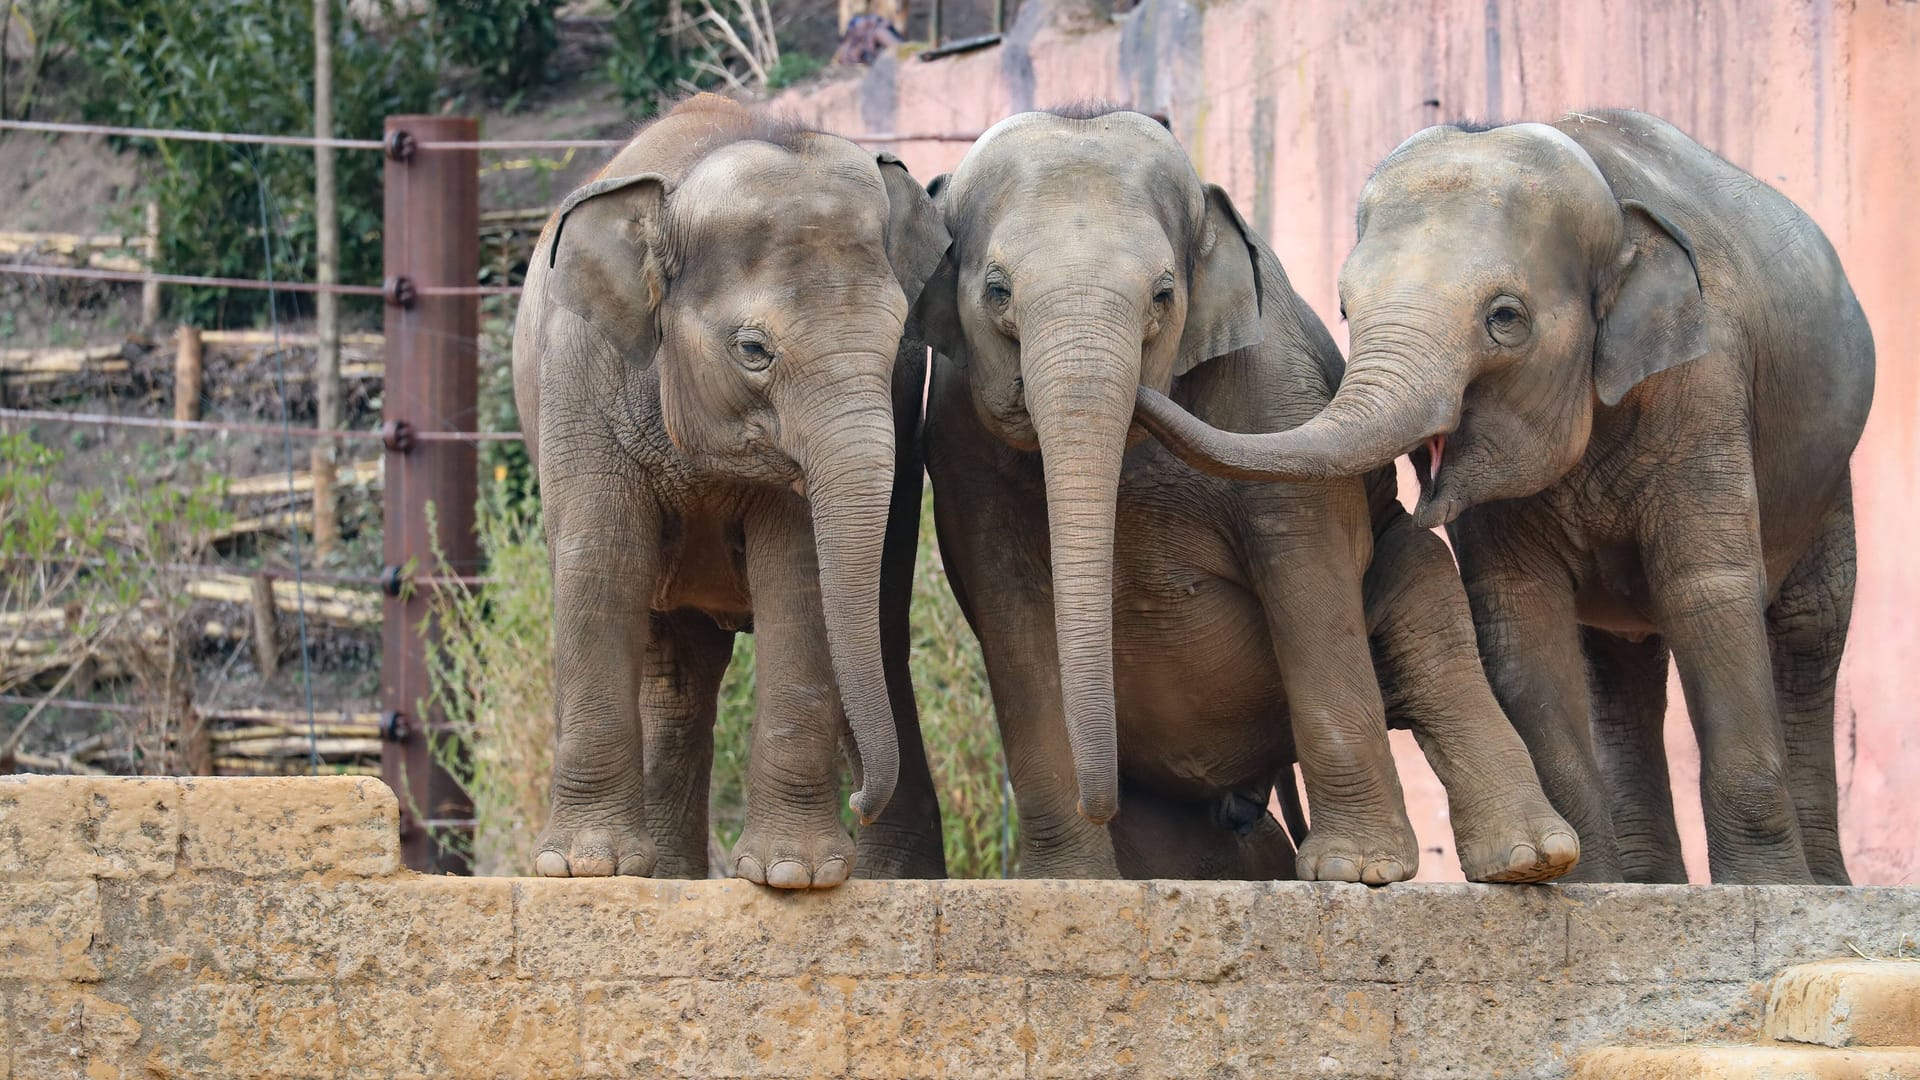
<point>767,291</point>
<point>1498,287</point>
<point>1088,260</point>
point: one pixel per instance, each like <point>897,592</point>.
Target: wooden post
<point>186,373</point>
<point>431,237</point>
<point>326,519</point>
<point>933,23</point>
<point>150,290</point>
<point>266,626</point>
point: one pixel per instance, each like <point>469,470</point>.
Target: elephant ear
<point>607,260</point>
<point>1223,297</point>
<point>935,317</point>
<point>917,239</point>
<point>1657,318</point>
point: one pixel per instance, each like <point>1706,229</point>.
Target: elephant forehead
<point>1120,155</point>
<point>760,186</point>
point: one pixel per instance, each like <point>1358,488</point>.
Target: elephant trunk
<point>1389,402</point>
<point>848,466</point>
<point>1079,379</point>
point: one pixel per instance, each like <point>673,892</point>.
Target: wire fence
<point>482,145</point>
<point>395,436</point>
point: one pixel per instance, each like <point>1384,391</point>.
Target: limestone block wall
<point>228,927</point>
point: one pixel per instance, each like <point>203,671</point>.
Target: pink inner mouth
<point>1436,449</point>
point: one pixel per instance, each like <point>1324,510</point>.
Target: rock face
<point>216,927</point>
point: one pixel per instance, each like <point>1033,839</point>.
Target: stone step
<point>1847,1003</point>
<point>1765,1061</point>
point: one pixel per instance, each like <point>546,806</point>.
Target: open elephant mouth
<point>1428,458</point>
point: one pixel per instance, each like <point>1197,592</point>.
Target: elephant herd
<point>1628,374</point>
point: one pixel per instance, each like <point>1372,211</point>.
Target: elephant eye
<point>1163,294</point>
<point>999,290</point>
<point>756,354</point>
<point>1507,322</point>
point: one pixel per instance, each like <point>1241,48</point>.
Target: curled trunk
<point>1385,406</point>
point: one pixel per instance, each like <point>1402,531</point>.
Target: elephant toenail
<point>788,874</point>
<point>1523,857</point>
<point>635,866</point>
<point>832,872</point>
<point>1335,868</point>
<point>550,864</point>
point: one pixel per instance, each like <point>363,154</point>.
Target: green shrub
<point>507,44</point>
<point>91,579</point>
<point>648,63</point>
<point>493,679</point>
<point>247,66</point>
<point>792,68</point>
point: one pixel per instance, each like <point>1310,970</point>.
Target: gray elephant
<point>1631,376</point>
<point>705,367</point>
<point>1148,626</point>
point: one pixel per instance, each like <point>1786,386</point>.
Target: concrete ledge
<point>1749,1063</point>
<point>1847,1003</point>
<point>256,927</point>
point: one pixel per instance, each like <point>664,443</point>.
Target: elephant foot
<point>899,854</point>
<point>819,858</point>
<point>1337,849</point>
<point>1529,845</point>
<point>580,844</point>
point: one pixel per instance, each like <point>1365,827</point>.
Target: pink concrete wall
<point>1289,104</point>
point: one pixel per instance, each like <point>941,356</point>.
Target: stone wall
<point>1288,104</point>
<point>226,927</point>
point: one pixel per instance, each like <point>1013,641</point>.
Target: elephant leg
<point>679,693</point>
<point>1530,647</point>
<point>793,837</point>
<point>1192,839</point>
<point>1807,631</point>
<point>603,543</point>
<point>1707,589</point>
<point>906,840</point>
<point>1430,676</point>
<point>1305,574</point>
<point>1629,681</point>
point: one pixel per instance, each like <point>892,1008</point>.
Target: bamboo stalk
<point>186,374</point>
<point>293,717</point>
<point>326,519</point>
<point>271,485</point>
<point>150,291</point>
<point>332,604</point>
<point>289,731</point>
<point>266,626</point>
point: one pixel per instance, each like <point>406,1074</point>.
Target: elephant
<point>1152,629</point>
<point>707,369</point>
<point>1630,376</point>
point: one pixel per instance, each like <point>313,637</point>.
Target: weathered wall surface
<point>1289,104</point>
<point>226,927</point>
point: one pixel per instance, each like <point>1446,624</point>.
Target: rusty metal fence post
<point>431,238</point>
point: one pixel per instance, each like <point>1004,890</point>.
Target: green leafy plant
<point>507,44</point>
<point>90,582</point>
<point>33,36</point>
<point>649,61</point>
<point>247,65</point>
<point>793,67</point>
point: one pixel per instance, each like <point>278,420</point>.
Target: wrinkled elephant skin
<point>1160,642</point>
<point>706,364</point>
<point>1631,376</point>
